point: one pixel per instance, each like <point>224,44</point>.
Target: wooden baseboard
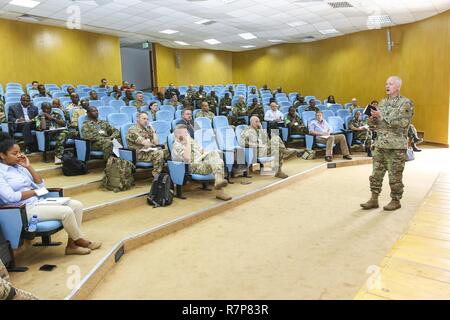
<point>436,144</point>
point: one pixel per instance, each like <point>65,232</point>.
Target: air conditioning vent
<point>340,4</point>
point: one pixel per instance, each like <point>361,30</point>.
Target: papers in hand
<point>116,147</point>
<point>54,201</point>
<point>41,191</point>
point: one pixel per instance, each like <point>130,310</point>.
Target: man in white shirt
<point>273,115</point>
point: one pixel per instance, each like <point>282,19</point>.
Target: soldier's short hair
<point>184,111</point>
<point>45,105</point>
<point>142,112</point>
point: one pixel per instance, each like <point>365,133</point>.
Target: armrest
<point>128,154</point>
<point>12,206</point>
<point>60,191</point>
<point>177,171</point>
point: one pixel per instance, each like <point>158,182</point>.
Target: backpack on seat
<point>71,166</point>
<point>118,175</point>
<point>160,193</point>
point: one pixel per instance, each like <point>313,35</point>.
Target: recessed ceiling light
<point>228,1</point>
<point>382,19</point>
<point>247,36</point>
<point>296,23</point>
<point>168,31</point>
<point>248,46</point>
<point>181,43</point>
<point>276,40</point>
<point>212,41</point>
<point>203,21</point>
<point>24,3</point>
<point>328,31</point>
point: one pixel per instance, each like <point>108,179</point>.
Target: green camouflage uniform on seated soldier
<point>205,112</point>
<point>256,138</point>
<point>189,95</point>
<point>226,101</point>
<point>361,131</point>
<point>7,291</point>
<point>256,110</point>
<point>141,137</point>
<point>238,112</point>
<point>312,106</point>
<point>294,123</point>
<point>100,133</point>
<point>49,120</point>
<point>2,112</point>
<point>199,97</point>
<point>203,162</point>
<point>212,100</point>
<point>139,102</point>
<point>391,120</point>
<point>74,103</point>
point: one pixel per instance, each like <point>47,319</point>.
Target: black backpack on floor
<point>160,194</point>
<point>71,166</point>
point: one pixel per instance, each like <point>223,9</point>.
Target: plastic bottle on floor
<point>32,225</point>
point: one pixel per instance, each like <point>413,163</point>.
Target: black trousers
<point>26,128</point>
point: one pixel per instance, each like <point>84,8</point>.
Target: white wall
<point>136,66</point>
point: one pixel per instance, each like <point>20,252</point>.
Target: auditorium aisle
<point>308,241</point>
<point>110,217</point>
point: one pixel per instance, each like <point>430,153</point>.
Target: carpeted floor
<point>308,241</point>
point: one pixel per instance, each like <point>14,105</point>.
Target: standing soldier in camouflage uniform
<point>187,150</point>
<point>213,101</point>
<point>205,111</point>
<point>100,133</point>
<point>7,291</point>
<point>361,132</point>
<point>224,103</point>
<point>199,97</point>
<point>238,112</point>
<point>256,138</point>
<point>391,119</point>
<point>256,110</point>
<point>142,136</point>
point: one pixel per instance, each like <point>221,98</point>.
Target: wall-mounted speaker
<point>390,43</point>
<point>177,59</point>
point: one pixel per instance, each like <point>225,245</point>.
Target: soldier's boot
<point>219,182</point>
<point>221,195</point>
<point>369,151</point>
<point>281,174</point>
<point>372,203</point>
<point>23,295</point>
<point>414,147</point>
<point>393,205</point>
<point>289,153</point>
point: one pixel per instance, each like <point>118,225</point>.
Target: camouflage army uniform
<point>2,112</point>
<point>138,105</point>
<point>299,103</point>
<point>295,124</point>
<point>352,107</point>
<point>7,291</point>
<point>208,114</point>
<point>259,140</point>
<point>315,109</point>
<point>136,137</point>
<point>199,97</point>
<point>127,101</point>
<point>101,134</point>
<point>237,113</point>
<point>60,137</point>
<point>212,102</point>
<point>72,105</point>
<point>391,144</point>
<point>256,110</point>
<point>364,135</point>
<point>77,113</point>
<point>223,111</point>
<point>189,96</point>
<point>210,164</point>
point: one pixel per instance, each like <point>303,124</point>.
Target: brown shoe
<point>372,203</point>
<point>77,251</point>
<point>347,157</point>
<point>221,195</point>
<point>281,174</point>
<point>393,205</point>
<point>220,184</point>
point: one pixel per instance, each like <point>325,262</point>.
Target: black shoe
<point>27,150</point>
<point>347,157</point>
<point>328,159</point>
<point>415,149</point>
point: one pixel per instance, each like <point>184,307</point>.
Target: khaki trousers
<point>70,215</point>
<point>331,140</point>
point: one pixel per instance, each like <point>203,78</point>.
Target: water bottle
<point>32,225</point>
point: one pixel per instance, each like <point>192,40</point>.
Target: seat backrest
<point>307,116</point>
<point>123,132</point>
<point>301,109</point>
<point>239,130</point>
<point>178,114</point>
<point>165,115</point>
<point>358,109</point>
<point>307,98</point>
<point>194,114</point>
<point>202,123</point>
<point>327,114</point>
<point>116,103</point>
<point>162,129</point>
<point>96,103</point>
<point>104,111</point>
<point>343,113</point>
<point>226,138</point>
<point>335,107</point>
<point>128,110</point>
<point>336,123</point>
<point>167,107</point>
<point>220,122</point>
<point>206,138</point>
<point>118,119</point>
<point>284,109</point>
<point>170,141</point>
<point>81,120</point>
<point>106,100</point>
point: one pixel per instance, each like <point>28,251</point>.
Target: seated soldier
<point>256,110</point>
<point>231,90</point>
<point>186,119</point>
<point>361,131</point>
<point>139,102</point>
<point>294,122</point>
<point>174,101</point>
<point>238,112</point>
<point>7,291</point>
<point>160,97</point>
<point>278,90</point>
<point>20,118</point>
<point>312,106</point>
<point>153,110</point>
<point>187,104</point>
<point>354,105</point>
<point>116,93</point>
<point>172,90</point>
<point>100,133</point>
<point>213,101</point>
<point>205,111</point>
<point>189,96</point>
<point>77,113</point>
<point>414,138</point>
<point>56,103</point>
<point>199,96</point>
<point>128,96</point>
<point>93,95</point>
<point>141,137</point>
<point>253,91</point>
<point>254,136</point>
<point>299,101</point>
<point>75,102</point>
<point>264,87</point>
<point>321,130</point>
<point>103,84</point>
<point>125,86</point>
<point>330,100</point>
<point>41,92</point>
<point>70,90</point>
<point>200,161</point>
<point>34,85</point>
<point>49,120</point>
<point>224,103</point>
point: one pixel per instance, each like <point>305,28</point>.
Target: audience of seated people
<point>205,112</point>
<point>361,131</point>
<point>20,118</point>
<point>256,109</point>
<point>238,112</point>
<point>170,91</point>
<point>225,105</point>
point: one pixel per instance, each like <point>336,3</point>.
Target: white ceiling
<point>141,20</point>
